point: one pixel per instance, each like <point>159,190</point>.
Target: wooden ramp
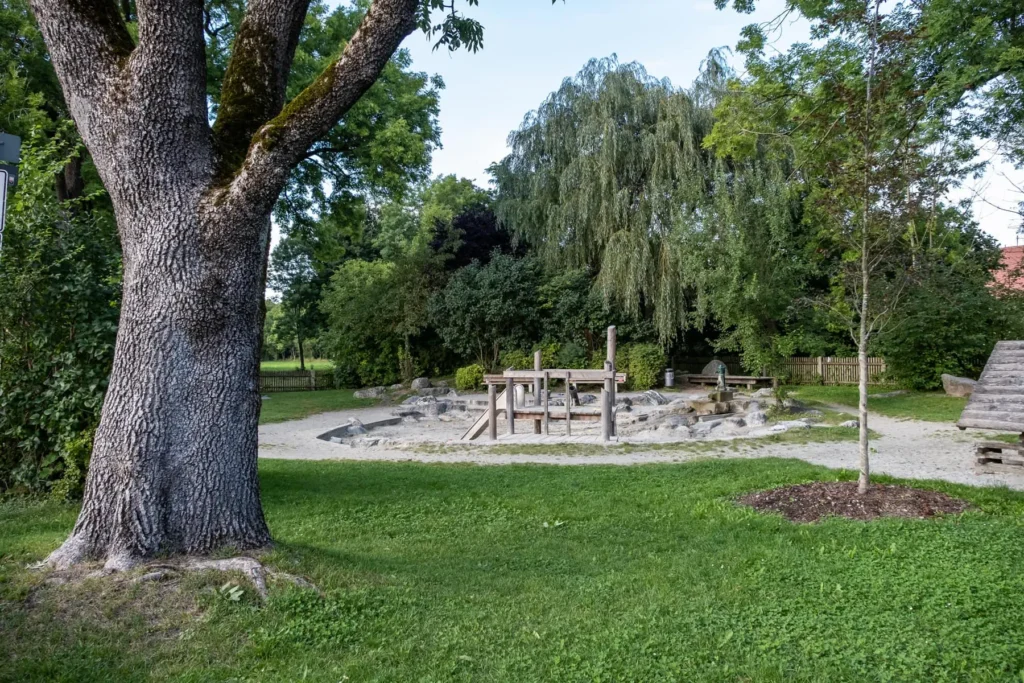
<point>480,425</point>
<point>998,399</point>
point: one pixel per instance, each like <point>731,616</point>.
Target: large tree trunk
<point>174,461</point>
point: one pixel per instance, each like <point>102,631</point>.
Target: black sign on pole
<point>10,148</point>
<point>3,204</point>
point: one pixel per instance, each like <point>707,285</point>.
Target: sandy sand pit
<point>905,448</point>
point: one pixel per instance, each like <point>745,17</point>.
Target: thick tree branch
<point>257,75</point>
<point>282,143</point>
<point>88,43</point>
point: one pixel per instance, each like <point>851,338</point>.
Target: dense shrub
<point>470,377</point>
<point>571,355</point>
<point>517,360</point>
<point>485,308</point>
<point>59,302</point>
<point>646,362</point>
<point>548,354</point>
<point>948,324</point>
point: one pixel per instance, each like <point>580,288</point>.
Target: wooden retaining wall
<point>295,380</point>
<point>819,370</point>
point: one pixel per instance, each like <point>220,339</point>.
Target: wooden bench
<point>734,380</point>
<point>997,456</point>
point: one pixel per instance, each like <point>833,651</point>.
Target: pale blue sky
<point>531,45</point>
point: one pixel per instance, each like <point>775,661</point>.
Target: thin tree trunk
<point>862,360</point>
<point>302,353</point>
<point>865,264</point>
<point>70,184</point>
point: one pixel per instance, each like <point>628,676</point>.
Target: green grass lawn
<point>317,364</point>
<point>293,405</point>
<point>463,573</point>
<point>931,406</point>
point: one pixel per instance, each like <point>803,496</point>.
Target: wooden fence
<point>820,370</point>
<point>295,380</point>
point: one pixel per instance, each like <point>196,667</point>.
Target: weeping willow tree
<point>610,173</point>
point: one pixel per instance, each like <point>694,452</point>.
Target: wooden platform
<point>997,456</point>
<point>998,399</point>
<point>733,380</point>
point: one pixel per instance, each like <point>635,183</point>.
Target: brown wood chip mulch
<point>821,499</point>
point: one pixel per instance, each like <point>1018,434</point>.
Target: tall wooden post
<point>544,398</point>
<point>568,404</point>
<point>510,405</point>
<point>610,364</point>
<point>607,409</point>
<point>492,411</point>
<point>536,389</point>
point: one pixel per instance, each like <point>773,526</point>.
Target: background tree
<point>599,176</point>
<point>873,156</point>
<point>487,308</point>
<point>174,461</point>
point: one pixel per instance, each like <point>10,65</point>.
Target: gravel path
<point>905,448</point>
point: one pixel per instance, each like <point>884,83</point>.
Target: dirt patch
<point>820,499</point>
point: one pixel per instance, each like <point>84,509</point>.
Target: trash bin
<point>670,377</point>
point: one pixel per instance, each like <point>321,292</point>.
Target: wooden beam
<point>547,415</point>
<point>510,406</point>
<point>578,376</point>
<point>536,386</point>
<point>609,366</point>
<point>492,412</point>
<point>568,405</point>
<point>606,406</point>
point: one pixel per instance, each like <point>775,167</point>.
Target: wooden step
<point>978,423</point>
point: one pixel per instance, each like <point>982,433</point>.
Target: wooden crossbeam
<point>578,376</point>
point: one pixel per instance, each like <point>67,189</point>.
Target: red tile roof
<point>1013,274</point>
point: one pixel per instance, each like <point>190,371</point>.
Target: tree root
<point>253,570</point>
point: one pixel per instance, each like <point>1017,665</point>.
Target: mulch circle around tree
<point>821,499</point>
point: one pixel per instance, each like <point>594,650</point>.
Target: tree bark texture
<point>173,467</point>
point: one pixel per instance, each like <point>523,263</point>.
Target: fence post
<point>312,379</point>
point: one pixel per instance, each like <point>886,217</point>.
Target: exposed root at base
<point>253,570</point>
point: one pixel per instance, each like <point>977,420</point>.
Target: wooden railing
<point>823,370</point>
<point>295,380</point>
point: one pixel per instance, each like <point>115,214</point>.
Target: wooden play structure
<point>998,403</point>
<point>516,406</point>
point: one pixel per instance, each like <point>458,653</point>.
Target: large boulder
<point>421,383</point>
<point>371,392</point>
<point>757,418</point>
<point>712,368</point>
<point>958,386</point>
<point>436,392</point>
<point>651,398</point>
